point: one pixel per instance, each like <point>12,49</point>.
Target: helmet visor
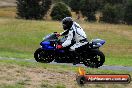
<point>64,27</point>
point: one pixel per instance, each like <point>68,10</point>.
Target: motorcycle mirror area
<point>57,34</point>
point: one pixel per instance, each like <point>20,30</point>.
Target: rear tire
<point>95,60</point>
<point>42,56</point>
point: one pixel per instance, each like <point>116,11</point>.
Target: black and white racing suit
<point>76,33</point>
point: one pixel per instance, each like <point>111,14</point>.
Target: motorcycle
<point>89,54</point>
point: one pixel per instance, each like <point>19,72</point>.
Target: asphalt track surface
<point>106,67</point>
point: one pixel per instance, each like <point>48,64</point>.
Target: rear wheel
<point>42,56</point>
<point>95,59</point>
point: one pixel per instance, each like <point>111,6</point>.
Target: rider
<point>73,31</point>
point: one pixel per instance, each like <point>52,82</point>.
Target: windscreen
<point>50,37</point>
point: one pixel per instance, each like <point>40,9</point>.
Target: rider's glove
<point>57,34</point>
<point>59,46</point>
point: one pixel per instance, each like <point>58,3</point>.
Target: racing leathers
<point>77,34</point>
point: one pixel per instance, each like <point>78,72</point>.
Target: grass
<point>20,38</point>
<point>44,85</point>
<point>11,86</point>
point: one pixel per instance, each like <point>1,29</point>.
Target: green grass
<point>11,86</point>
<point>20,38</point>
<point>44,85</point>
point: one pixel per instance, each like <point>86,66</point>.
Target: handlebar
<point>57,34</point>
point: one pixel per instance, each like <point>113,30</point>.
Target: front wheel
<point>41,55</point>
<point>95,59</point>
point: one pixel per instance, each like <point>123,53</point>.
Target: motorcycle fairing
<point>46,45</point>
<point>97,43</point>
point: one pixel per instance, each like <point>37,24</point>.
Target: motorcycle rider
<point>74,32</point>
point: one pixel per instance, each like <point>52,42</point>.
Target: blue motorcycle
<point>89,54</point>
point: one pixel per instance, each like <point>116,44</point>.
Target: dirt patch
<point>35,77</point>
<point>5,3</point>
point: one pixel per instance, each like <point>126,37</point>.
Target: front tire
<point>41,55</point>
